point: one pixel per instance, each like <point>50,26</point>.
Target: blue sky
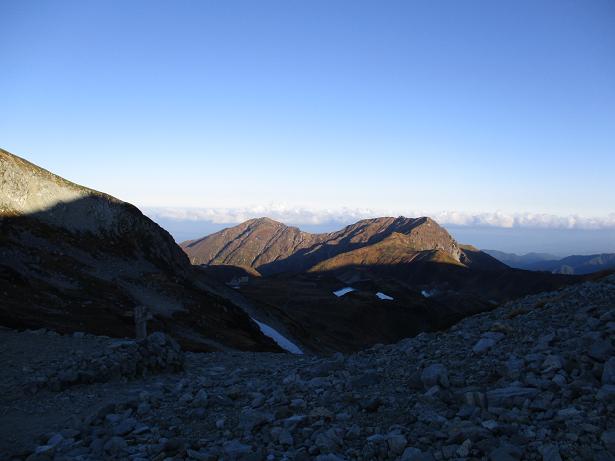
<point>473,106</point>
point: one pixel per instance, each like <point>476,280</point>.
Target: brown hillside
<point>272,247</point>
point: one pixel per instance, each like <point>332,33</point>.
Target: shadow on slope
<point>84,265</point>
<point>427,296</point>
<point>305,258</point>
<point>497,285</point>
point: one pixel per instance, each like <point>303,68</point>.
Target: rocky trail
<point>533,379</point>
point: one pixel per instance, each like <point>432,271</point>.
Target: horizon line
<point>310,216</point>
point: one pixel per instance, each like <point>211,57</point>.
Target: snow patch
<point>280,340</point>
<point>383,296</point>
<point>343,291</point>
<point>428,293</point>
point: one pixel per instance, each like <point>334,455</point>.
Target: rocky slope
<point>532,380</point>
<point>272,247</point>
<point>74,259</point>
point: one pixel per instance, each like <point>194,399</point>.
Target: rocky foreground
<point>534,379</point>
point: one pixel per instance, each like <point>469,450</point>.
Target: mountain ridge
<point>271,247</point>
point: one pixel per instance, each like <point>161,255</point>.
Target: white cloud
<point>308,216</point>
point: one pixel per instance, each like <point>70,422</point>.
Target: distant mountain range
<point>576,264</point>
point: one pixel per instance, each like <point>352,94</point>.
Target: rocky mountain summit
<point>271,247</point>
<point>533,379</point>
<point>74,259</point>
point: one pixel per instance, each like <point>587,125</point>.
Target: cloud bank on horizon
<point>309,216</point>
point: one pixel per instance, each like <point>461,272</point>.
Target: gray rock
<point>329,457</point>
<point>505,395</point>
<point>414,380</point>
<point>115,445</point>
<point>44,451</point>
<point>410,454</point>
<point>553,363</point>
<point>550,453</point>
<point>144,408</point>
<point>514,366</point>
<point>55,439</point>
<point>125,426</point>
<point>286,438</point>
<point>258,400</point>
<point>501,454</point>
<point>464,450</point>
<point>297,403</point>
<point>490,424</point>
<point>568,413</point>
<point>559,380</point>
<point>201,455</point>
<point>366,379</point>
<point>606,393</point>
<point>235,449</point>
<point>435,374</point>
<point>487,341</point>
<point>495,335</point>
<point>141,429</point>
<point>252,419</point>
<point>601,350</point>
<point>476,399</point>
<point>608,372</point>
<point>328,441</point>
<point>200,399</point>
<point>396,443</point>
<point>608,439</point>
<point>483,345</point>
<point>414,454</point>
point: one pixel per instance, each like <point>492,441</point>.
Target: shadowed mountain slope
<point>74,259</point>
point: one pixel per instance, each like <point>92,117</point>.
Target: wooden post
<point>141,322</point>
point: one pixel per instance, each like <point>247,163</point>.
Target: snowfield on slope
<point>384,297</point>
<point>343,291</point>
<point>280,339</point>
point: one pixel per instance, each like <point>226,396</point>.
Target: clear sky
<point>470,106</point>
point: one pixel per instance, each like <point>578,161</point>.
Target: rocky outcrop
<point>122,359</point>
<point>28,191</point>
